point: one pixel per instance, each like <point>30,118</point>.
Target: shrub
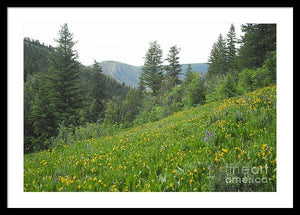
<point>194,91</point>
<point>70,135</point>
<point>156,113</point>
<point>251,79</point>
<point>172,101</point>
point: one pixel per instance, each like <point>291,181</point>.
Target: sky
<point>128,42</point>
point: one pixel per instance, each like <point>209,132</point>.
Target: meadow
<point>228,145</point>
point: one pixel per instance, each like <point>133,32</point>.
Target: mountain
<point>130,74</point>
<point>197,67</point>
<point>122,72</point>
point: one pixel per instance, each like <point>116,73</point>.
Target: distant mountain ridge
<point>122,72</point>
<point>129,74</point>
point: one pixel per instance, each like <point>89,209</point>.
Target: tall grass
<point>207,148</point>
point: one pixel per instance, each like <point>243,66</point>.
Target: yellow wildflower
<point>264,146</point>
<point>225,150</point>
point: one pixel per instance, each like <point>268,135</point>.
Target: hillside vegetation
<point>196,149</point>
<point>35,57</point>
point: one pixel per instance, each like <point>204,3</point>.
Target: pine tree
<point>229,87</point>
<point>64,69</point>
<point>231,41</point>
<point>97,93</point>
<point>217,59</point>
<point>152,71</point>
<point>194,90</point>
<point>43,113</point>
<point>114,112</point>
<point>174,68</point>
<point>131,105</point>
<point>188,74</point>
<point>141,88</point>
<point>257,43</point>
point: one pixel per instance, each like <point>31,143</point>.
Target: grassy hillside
<point>207,148</point>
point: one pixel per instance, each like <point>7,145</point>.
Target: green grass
<point>190,150</point>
